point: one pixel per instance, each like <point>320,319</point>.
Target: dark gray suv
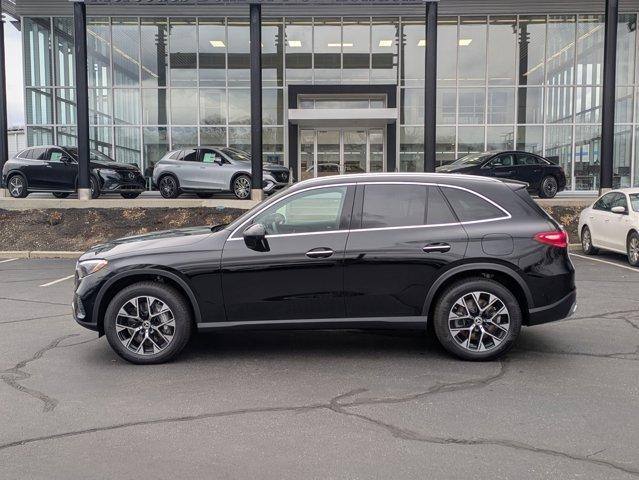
<point>207,170</point>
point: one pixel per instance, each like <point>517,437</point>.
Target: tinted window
<point>24,153</point>
<point>605,202</point>
<point>307,212</point>
<point>470,207</point>
<point>634,201</point>
<point>506,160</point>
<point>394,206</point>
<point>38,153</point>
<point>439,211</point>
<point>619,200</point>
<point>189,156</point>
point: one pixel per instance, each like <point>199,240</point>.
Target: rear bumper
<point>559,310</point>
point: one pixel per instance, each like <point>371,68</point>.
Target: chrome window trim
<point>507,215</point>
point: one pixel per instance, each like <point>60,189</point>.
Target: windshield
<point>95,155</point>
<point>472,159</point>
<point>634,201</point>
<point>237,154</point>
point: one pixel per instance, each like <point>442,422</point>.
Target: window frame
<point>607,194</point>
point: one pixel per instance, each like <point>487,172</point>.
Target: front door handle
<point>320,253</point>
<point>436,247</point>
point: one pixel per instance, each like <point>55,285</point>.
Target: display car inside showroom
<point>329,87</point>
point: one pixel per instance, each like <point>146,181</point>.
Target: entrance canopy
<point>342,117</point>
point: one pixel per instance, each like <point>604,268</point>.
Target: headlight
<point>87,267</point>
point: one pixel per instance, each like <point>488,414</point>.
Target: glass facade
<point>531,82</point>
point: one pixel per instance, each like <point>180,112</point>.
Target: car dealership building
<point>346,86</point>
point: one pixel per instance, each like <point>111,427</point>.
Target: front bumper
<point>559,310</point>
<point>122,182</point>
<point>273,181</point>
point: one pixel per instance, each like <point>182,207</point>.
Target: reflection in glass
<point>184,106</point>
<point>212,52</point>
<point>530,105</point>
<point>37,53</point>
<point>446,51</point>
<point>626,34</point>
<point>636,166</point>
<point>99,52</point>
<point>500,137</point>
<point>532,46</point>
<point>587,148</point>
<point>127,146</point>
<point>213,136</point>
<point>328,153</point>
<point>307,154</point>
<point>560,54</point>
<point>559,105</point>
<point>472,51</point>
<point>126,106</point>
<point>411,149</point>
<point>472,105</point>
<point>622,156</point>
<point>100,106</point>
<point>238,52</point>
<point>155,144</point>
<point>587,104</point>
<point>624,103</point>
<point>67,136</point>
<point>39,136</point>
<point>273,145</point>
<point>126,52</point>
<point>413,55</point>
<point>445,146</point>
<point>384,46</point>
<point>356,47</point>
<point>299,50</point>
<point>470,140</point>
<point>501,105</point>
<point>590,44</point>
<point>446,106</point>
<point>502,46</point>
<point>65,106</point>
<point>376,148</point>
<point>240,138</point>
<point>154,40</point>
<point>272,106</point>
<point>212,106</point>
<point>183,53</point>
<point>327,50</point>
<point>182,137</point>
<point>412,106</point>
<point>559,148</point>
<point>63,51</point>
<point>355,145</point>
<point>239,106</point>
<point>272,52</point>
<point>530,139</point>
<point>100,140</point>
<point>154,106</point>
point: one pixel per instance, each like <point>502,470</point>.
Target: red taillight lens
<point>554,238</point>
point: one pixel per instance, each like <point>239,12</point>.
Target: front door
<point>301,274</point>
<point>324,152</point>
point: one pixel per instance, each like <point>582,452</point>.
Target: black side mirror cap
<point>255,238</point>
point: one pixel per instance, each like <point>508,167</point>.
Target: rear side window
<point>470,207</point>
<point>403,206</point>
<point>38,153</point>
<point>175,155</point>
<point>190,156</point>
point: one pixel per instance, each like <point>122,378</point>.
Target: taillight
<point>556,238</point>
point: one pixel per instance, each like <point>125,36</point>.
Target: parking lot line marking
<point>59,280</point>
<point>627,267</point>
<point>9,260</point>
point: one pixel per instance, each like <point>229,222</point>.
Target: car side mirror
<point>255,238</point>
<point>618,209</point>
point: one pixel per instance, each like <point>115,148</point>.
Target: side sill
<point>409,323</point>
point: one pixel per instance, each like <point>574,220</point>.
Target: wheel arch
<point>123,280</point>
<point>237,174</point>
<point>13,173</point>
<point>500,273</point>
<point>630,232</point>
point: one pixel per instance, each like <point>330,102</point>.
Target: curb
<point>40,254</point>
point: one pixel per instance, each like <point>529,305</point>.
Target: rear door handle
<point>320,253</point>
<point>436,247</point>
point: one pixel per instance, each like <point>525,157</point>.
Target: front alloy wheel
<point>633,249</point>
<point>145,325</point>
<point>17,187</point>
<point>242,187</point>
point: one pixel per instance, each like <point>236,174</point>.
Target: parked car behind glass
<point>207,170</point>
<point>54,169</point>
<point>612,223</point>
<point>542,176</point>
<point>475,258</point>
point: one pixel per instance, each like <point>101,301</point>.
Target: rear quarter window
<point>470,207</point>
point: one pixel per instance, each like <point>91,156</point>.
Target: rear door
<point>401,236</point>
<point>37,171</point>
<point>529,169</point>
<point>190,172</point>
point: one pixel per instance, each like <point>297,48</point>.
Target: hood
<point>166,240</point>
<point>113,165</point>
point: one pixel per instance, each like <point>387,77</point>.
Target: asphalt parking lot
<point>563,404</point>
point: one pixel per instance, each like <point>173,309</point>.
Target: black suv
<point>542,176</point>
<point>55,169</point>
<point>474,258</point>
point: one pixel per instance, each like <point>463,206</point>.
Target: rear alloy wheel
<point>633,249</point>
<point>17,187</point>
<point>148,323</point>
<point>169,187</point>
<point>61,195</point>
<point>130,195</point>
<point>477,319</point>
<point>586,242</point>
<point>242,187</point>
<point>549,187</point>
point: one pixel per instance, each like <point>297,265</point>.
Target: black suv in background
<point>55,169</point>
<point>542,176</point>
<point>473,257</point>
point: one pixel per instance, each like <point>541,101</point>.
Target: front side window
<point>307,212</point>
<point>470,207</point>
<point>55,155</point>
<point>619,200</point>
<point>604,203</point>
<point>210,156</point>
<point>506,160</point>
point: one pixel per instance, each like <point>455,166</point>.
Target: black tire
<point>130,195</point>
<point>548,187</point>
<point>94,188</point>
<point>586,242</point>
<point>61,195</point>
<point>633,249</point>
<point>170,297</point>
<point>17,186</point>
<point>204,195</point>
<point>168,186</point>
<point>454,344</point>
<point>241,187</point>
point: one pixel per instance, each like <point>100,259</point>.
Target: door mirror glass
<point>618,209</point>
<point>255,238</point>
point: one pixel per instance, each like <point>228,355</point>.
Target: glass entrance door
<point>325,152</point>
